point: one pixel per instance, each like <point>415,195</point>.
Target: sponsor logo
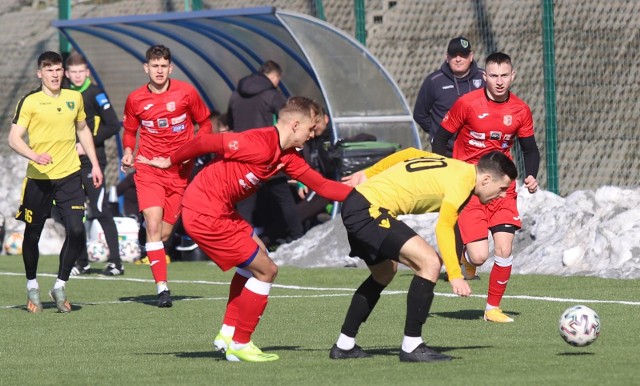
<point>517,218</point>
<point>483,115</point>
<point>177,129</point>
<point>171,106</point>
<point>507,120</point>
<point>447,87</point>
<point>504,145</point>
<point>502,282</point>
<point>78,207</point>
<point>106,106</point>
<point>147,107</point>
<point>152,131</point>
<point>102,100</point>
<point>477,83</point>
<point>178,120</point>
<point>507,137</point>
<point>71,105</point>
<point>244,185</point>
<point>479,144</point>
<point>147,123</point>
<point>495,135</point>
<point>252,178</point>
<point>18,214</point>
<point>163,123</point>
<point>477,135</point>
<point>233,145</point>
<point>446,117</point>
<point>384,223</point>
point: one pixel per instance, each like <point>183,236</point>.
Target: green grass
<point>117,336</point>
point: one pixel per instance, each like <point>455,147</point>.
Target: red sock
<point>251,305</point>
<point>158,264</point>
<point>231,314</point>
<point>498,280</point>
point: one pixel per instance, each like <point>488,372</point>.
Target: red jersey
<point>484,125</point>
<point>165,121</point>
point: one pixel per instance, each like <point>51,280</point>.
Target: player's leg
<point>156,253</point>
<point>37,199</point>
<point>69,198</point>
<point>362,304</point>
<point>417,254</point>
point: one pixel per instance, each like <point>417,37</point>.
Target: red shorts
<point>476,219</point>
<point>165,192</point>
<point>227,240</point>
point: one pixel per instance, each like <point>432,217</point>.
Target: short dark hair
<point>498,58</point>
<point>498,164</point>
<point>75,59</point>
<point>158,52</point>
<point>48,59</point>
<point>270,66</point>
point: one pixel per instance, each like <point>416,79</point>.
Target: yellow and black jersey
<point>413,181</point>
<point>51,127</point>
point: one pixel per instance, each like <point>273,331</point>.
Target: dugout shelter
<point>213,49</point>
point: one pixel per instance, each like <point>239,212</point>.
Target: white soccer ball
<point>13,243</point>
<point>579,326</point>
<point>129,250</point>
<point>97,251</point>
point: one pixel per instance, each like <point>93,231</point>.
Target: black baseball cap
<point>459,45</point>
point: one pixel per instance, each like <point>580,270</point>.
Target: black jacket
<point>437,94</point>
<point>254,103</point>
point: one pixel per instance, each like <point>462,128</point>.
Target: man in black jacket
<point>255,104</point>
<point>104,124</point>
<point>458,75</point>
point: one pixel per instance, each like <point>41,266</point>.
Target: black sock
<point>419,301</point>
<point>362,303</point>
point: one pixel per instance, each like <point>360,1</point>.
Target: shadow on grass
<point>467,314</point>
<point>575,354</point>
<point>152,300</point>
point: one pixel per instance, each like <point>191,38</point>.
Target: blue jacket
<point>437,94</point>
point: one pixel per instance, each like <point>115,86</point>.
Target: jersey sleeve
<point>526,129</point>
<point>82,116</point>
<point>329,189</point>
<point>393,159</point>
<point>446,238</point>
<point>453,121</point>
<point>109,124</point>
<point>200,112</point>
<point>131,123</point>
<point>23,115</point>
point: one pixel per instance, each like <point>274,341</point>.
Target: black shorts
<point>375,234</point>
<point>38,197</point>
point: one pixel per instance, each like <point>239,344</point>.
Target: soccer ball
<point>13,243</point>
<point>97,251</point>
<point>129,250</point>
<point>579,326</point>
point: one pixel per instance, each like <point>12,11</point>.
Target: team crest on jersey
<point>477,83</point>
<point>171,106</point>
<point>233,145</point>
<point>71,105</point>
<point>507,120</point>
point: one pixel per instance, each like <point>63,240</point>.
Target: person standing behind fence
<point>458,75</point>
<point>254,104</point>
<point>52,118</point>
<point>104,124</point>
<point>486,120</point>
<point>162,112</point>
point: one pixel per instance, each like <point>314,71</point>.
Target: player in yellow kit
<point>411,182</point>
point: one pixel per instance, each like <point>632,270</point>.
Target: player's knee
<point>476,258</point>
<point>502,250</point>
<point>384,278</point>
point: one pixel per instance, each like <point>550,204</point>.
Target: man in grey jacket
<point>458,75</point>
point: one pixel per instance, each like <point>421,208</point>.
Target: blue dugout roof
<point>213,49</point>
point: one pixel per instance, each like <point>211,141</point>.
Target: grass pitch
<point>115,334</point>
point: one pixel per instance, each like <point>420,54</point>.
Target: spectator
<point>254,104</point>
<point>458,75</point>
<point>104,124</point>
<point>52,118</point>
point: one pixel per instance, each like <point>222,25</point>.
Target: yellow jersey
<point>51,128</point>
<point>413,181</point>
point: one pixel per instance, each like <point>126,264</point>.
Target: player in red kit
<point>244,161</point>
<point>162,112</point>
<point>486,120</point>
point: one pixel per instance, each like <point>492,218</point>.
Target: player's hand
<point>126,161</point>
<point>460,287</point>
<point>97,176</point>
<point>158,162</point>
<point>302,191</point>
<point>355,179</point>
<point>531,184</point>
<point>43,159</point>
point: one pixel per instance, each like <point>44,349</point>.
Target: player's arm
<point>440,141</point>
<point>131,124</point>
<point>531,156</point>
<point>85,137</point>
<point>452,122</point>
<point>201,145</point>
<point>200,113</point>
<point>329,189</point>
<point>445,235</point>
<point>18,144</point>
<point>422,108</point>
